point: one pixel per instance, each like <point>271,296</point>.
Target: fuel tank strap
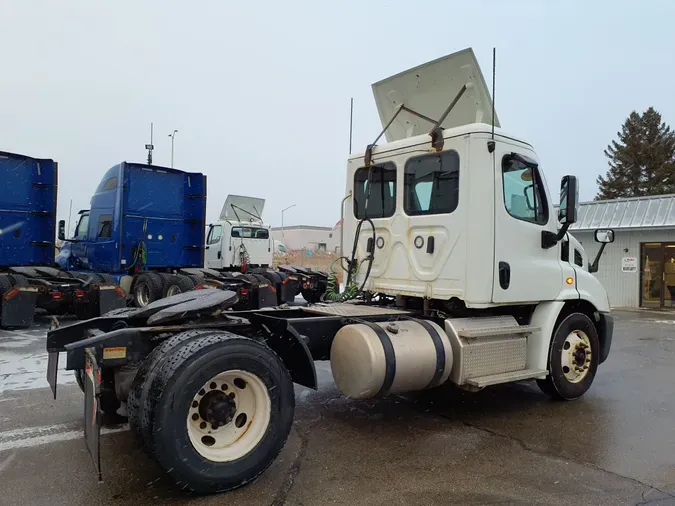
<point>440,352</point>
<point>389,358</point>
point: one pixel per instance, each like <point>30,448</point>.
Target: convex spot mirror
<point>62,230</point>
<point>569,198</point>
<point>604,235</point>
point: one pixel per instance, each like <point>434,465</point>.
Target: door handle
<point>206,247</point>
<point>504,275</point>
<point>430,244</point>
<point>219,254</point>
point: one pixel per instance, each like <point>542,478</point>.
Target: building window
<point>382,197</point>
<point>524,195</point>
<point>431,184</point>
<point>105,226</point>
<point>321,247</point>
<point>215,234</point>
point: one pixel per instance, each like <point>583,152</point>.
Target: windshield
<point>250,233</point>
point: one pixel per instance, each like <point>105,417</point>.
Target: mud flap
<point>266,296</point>
<point>52,370</point>
<point>109,298</point>
<point>18,307</point>
<point>289,288</point>
<point>92,412</point>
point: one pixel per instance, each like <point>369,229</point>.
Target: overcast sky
<point>259,91</point>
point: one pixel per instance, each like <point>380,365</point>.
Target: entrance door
<point>657,284</point>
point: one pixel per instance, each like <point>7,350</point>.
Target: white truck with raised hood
<point>461,272</point>
<point>240,244</point>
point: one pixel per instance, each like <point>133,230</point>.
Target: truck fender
<point>545,316</point>
<point>292,349</point>
<point>125,283</point>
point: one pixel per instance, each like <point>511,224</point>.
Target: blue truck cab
<point>144,223</point>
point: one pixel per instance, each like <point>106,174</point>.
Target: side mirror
<point>62,230</point>
<point>569,198</point>
<point>604,236</point>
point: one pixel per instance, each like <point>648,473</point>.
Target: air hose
<point>352,290</point>
<point>140,252</point>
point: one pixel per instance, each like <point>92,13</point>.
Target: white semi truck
<point>464,274</point>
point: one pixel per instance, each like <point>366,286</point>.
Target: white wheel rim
<point>143,294</point>
<point>248,416</point>
<point>576,356</point>
<point>173,290</point>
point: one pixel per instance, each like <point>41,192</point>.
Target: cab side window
<point>381,195</point>
<point>214,234</point>
<point>524,195</point>
<point>82,226</point>
<point>431,184</point>
<point>105,226</point>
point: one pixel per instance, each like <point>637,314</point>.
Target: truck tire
<point>223,409</point>
<point>140,386</point>
<point>109,402</point>
<point>81,276</point>
<point>5,284</point>
<point>146,288</point>
<point>177,283</point>
<point>105,278</point>
<point>18,280</point>
<point>572,359</point>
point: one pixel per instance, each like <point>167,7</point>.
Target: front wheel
<point>573,358</point>
<point>223,409</point>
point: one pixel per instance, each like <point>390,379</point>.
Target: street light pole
<point>173,136</point>
<point>283,237</point>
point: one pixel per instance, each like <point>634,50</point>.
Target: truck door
<point>79,246</point>
<point>102,251</point>
<point>213,249</point>
<point>523,270</point>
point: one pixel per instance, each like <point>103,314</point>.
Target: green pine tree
<point>641,161</point>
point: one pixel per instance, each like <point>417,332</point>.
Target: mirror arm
<point>594,266</point>
<point>549,239</point>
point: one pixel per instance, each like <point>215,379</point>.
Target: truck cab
<point>239,238</point>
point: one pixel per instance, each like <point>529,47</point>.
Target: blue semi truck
<point>145,228</point>
<point>28,275</point>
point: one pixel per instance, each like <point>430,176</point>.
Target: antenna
<point>494,71</point>
<point>351,118</point>
<point>150,147</point>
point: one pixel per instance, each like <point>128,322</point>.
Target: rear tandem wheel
<point>220,410</point>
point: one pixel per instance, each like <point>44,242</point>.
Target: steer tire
<point>154,284</point>
<point>139,420</point>
<point>242,451</point>
<point>576,327</point>
<point>175,284</point>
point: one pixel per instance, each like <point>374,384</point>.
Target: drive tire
<point>175,284</point>
<point>104,278</point>
<point>311,296</point>
<point>17,280</point>
<point>146,289</point>
<point>560,383</point>
<point>109,403</point>
<point>236,457</point>
<point>140,420</point>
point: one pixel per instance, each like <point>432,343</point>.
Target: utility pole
<point>283,238</point>
<point>149,147</point>
<point>173,136</point>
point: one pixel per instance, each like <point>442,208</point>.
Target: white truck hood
<point>240,208</point>
<point>429,89</point>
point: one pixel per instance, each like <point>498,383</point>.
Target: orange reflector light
<point>243,291</point>
<point>11,294</point>
<point>120,292</point>
<point>79,293</point>
<point>56,295</point>
<point>569,281</point>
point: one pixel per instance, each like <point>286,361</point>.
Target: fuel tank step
<point>506,377</point>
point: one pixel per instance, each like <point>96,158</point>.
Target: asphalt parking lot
<point>504,445</point>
